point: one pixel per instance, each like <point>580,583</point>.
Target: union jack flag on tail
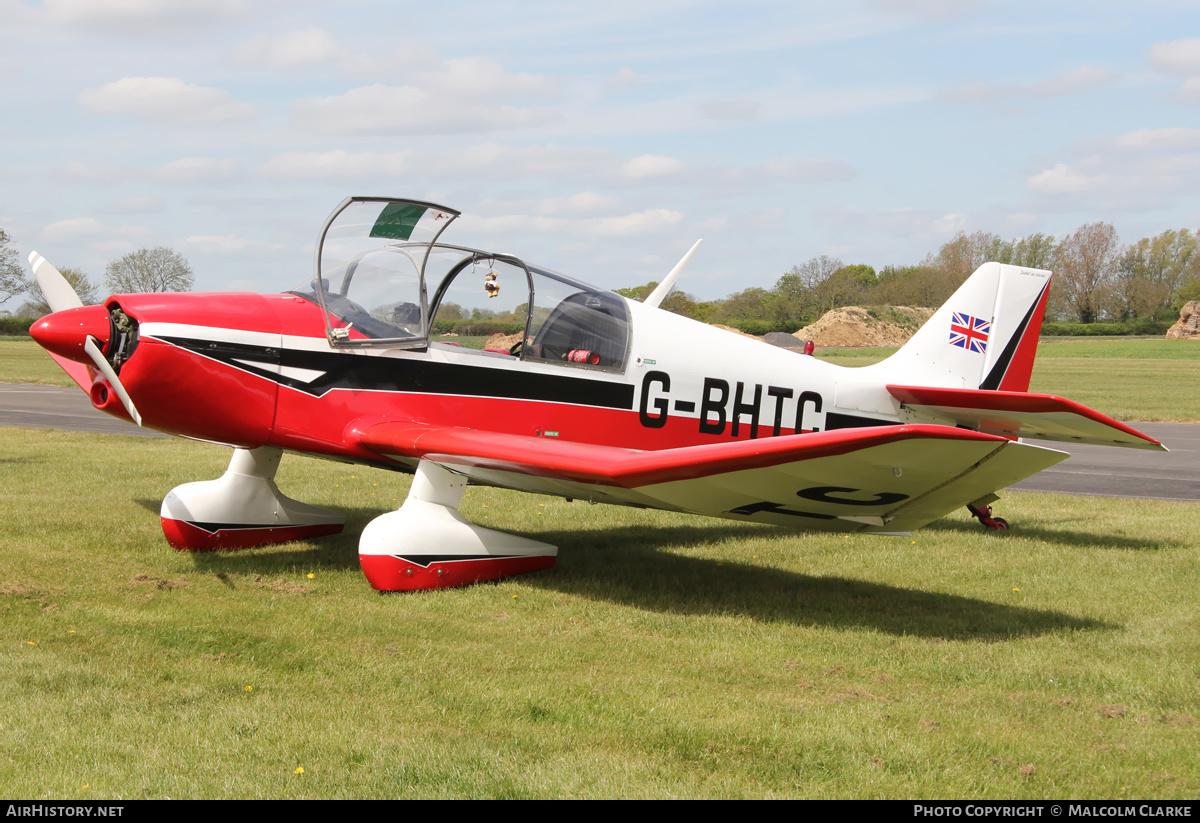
<point>968,332</point>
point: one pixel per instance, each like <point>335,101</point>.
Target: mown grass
<point>665,655</point>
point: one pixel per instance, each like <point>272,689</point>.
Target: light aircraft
<point>602,399</point>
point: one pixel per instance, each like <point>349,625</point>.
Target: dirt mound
<point>1188,327</point>
<point>503,341</point>
<point>732,329</point>
<point>866,326</point>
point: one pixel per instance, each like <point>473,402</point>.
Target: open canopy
<point>385,280</point>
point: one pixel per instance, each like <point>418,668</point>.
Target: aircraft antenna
<point>668,282</point>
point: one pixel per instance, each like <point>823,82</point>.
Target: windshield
<point>370,265</point>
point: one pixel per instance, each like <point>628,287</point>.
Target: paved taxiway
<point>1094,470</point>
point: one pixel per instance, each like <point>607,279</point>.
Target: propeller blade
<point>664,288</point>
<point>58,292</point>
<point>93,351</point>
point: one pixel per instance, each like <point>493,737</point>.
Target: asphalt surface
<point>1091,470</point>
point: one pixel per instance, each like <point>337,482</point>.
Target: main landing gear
<point>982,511</point>
<point>427,544</point>
<point>242,508</point>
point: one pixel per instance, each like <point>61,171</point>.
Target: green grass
<point>665,655</point>
<point>24,361</point>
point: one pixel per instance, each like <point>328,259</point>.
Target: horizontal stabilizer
<point>1020,414</point>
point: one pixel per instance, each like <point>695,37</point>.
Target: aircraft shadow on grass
<point>635,566</point>
<point>1070,537</point>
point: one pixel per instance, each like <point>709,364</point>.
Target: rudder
<point>984,337</point>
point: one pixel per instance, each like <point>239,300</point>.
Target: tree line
<point>155,269</point>
<point>1096,279</point>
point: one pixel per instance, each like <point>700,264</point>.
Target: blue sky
<point>598,139</point>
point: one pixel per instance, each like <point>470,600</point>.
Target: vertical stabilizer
<point>984,337</point>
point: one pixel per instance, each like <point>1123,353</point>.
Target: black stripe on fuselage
<point>347,370</point>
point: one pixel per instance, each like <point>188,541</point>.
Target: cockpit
<point>384,279</point>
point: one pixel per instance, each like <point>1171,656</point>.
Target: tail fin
<point>984,337</point>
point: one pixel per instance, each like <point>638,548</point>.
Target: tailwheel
<point>981,511</point>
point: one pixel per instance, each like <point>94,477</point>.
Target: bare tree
<point>12,276</point>
<point>1085,263</point>
<point>148,270</point>
<point>963,253</point>
<point>37,306</point>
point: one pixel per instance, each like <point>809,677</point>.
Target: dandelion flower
<point>299,770</point>
<point>249,688</point>
<point>311,575</point>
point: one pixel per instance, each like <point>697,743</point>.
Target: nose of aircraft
<point>65,332</point>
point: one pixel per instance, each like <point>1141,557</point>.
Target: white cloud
<point>495,160</point>
<point>1174,139</point>
<point>583,203</point>
<point>293,50</point>
<point>135,205</point>
<point>1084,78</point>
<point>929,9</point>
<point>481,77</point>
<point>190,170</point>
<point>336,165</point>
<point>1062,179</point>
<point>164,100</point>
<point>1189,92</point>
<point>651,165</point>
<point>81,172</point>
<point>918,224</point>
<point>141,17</point>
<point>1076,81</point>
<point>397,110</point>
<point>736,109</point>
<point>1180,58</point>
<point>819,170</point>
<point>224,244</point>
<point>77,228</point>
<point>650,221</point>
<point>950,223</point>
<point>626,78</point>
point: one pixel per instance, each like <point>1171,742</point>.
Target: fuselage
<point>253,370</point>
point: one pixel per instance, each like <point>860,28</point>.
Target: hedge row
<point>16,326</point>
<point>480,328</point>
<point>1156,328</point>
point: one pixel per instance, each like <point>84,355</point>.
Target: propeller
<point>668,283</point>
<point>61,296</point>
<point>58,292</point>
<point>93,351</point>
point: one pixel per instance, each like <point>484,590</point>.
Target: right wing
<point>887,478</point>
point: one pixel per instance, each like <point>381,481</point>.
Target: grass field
<point>665,655</point>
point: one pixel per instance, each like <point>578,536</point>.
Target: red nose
<point>64,332</point>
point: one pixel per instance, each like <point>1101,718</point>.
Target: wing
<point>891,478</point>
<point>1020,414</point>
